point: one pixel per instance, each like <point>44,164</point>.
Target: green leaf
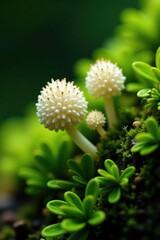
<point>152,127</point>
<point>145,137</point>
<point>54,230</point>
<point>143,93</point>
<point>80,180</point>
<point>144,70</point>
<point>54,206</point>
<point>107,176</point>
<point>72,212</point>
<point>101,179</point>
<point>41,182</point>
<point>148,149</point>
<point>155,93</point>
<point>60,184</point>
<point>137,147</point>
<point>157,59</point>
<point>72,225</point>
<point>92,188</point>
<point>128,172</point>
<point>82,235</point>
<point>73,199</point>
<point>108,163</point>
<point>97,218</point>
<point>87,165</point>
<point>156,73</point>
<point>115,195</point>
<point>115,171</point>
<point>88,204</point>
<point>124,182</point>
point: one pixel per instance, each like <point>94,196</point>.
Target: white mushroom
<point>106,80</point>
<point>61,106</point>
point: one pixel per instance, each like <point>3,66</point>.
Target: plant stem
<point>110,112</point>
<point>82,142</point>
<point>102,132</point>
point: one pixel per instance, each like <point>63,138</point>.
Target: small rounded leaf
<point>143,93</point>
<point>115,195</point>
<point>158,58</point>
<point>97,218</point>
<point>107,176</point>
<point>54,230</point>
<point>152,127</point>
<point>72,212</point>
<point>54,206</point>
<point>72,225</point>
<point>88,205</point>
<point>148,149</point>
<point>108,165</point>
<point>92,188</point>
<point>73,199</point>
<point>137,147</point>
<point>156,73</point>
<point>60,184</point>
<point>115,171</point>
<point>128,172</point>
<point>144,70</point>
<point>124,182</point>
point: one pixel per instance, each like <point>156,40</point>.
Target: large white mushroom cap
<point>60,105</point>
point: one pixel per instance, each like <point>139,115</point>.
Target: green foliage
<point>112,181</point>
<point>46,166</point>
<point>77,215</point>
<point>151,97</point>
<point>148,142</point>
<point>150,75</point>
<point>146,72</point>
<point>81,171</point>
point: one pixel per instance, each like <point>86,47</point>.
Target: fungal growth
<point>95,121</point>
<point>106,80</point>
<point>61,106</point>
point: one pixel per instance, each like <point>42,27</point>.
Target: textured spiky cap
<point>61,104</point>
<point>105,79</point>
<point>95,119</point>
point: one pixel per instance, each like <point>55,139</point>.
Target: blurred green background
<point>42,39</point>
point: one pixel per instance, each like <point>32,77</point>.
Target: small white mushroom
<point>106,80</point>
<point>95,121</point>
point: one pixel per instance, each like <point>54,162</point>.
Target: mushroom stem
<point>110,112</point>
<point>102,132</point>
<point>82,142</point>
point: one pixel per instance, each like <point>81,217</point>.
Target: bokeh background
<point>42,39</point>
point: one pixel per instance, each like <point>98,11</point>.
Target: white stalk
<point>82,142</point>
<point>110,112</point>
<point>102,132</point>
